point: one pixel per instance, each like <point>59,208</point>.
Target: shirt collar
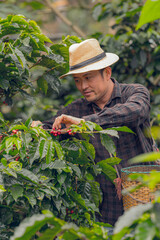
<point>115,94</point>
<point>116,90</point>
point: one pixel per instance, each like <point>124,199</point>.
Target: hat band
<point>89,61</point>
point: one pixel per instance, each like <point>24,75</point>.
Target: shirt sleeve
<point>131,113</point>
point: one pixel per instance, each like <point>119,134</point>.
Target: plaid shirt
<point>128,106</point>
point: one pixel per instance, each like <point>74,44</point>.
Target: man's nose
<point>84,84</point>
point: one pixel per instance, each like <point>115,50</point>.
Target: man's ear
<point>108,72</point>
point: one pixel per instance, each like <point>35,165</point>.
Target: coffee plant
<point>58,229</point>
<point>40,170</point>
<point>24,50</point>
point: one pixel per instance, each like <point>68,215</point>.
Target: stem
<point>13,157</point>
<point>65,20</point>
<point>35,63</point>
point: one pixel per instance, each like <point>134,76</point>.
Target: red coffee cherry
<point>14,131</point>
<point>17,158</point>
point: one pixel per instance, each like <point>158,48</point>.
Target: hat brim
<point>105,62</point>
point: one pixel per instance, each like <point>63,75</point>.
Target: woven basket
<point>144,194</point>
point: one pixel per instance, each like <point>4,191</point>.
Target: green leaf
<point>132,214</point>
<point>97,10</point>
<point>30,226</point>
<point>4,161</point>
<point>43,146</point>
<point>108,170</point>
<point>18,127</point>
<point>4,83</point>
<point>17,63</point>
<point>49,191</point>
<point>28,122</point>
<point>113,161</point>
<point>59,150</point>
<point>19,19</point>
<point>108,143</point>
<point>2,45</point>
<point>43,38</point>
<point>42,84</point>
<point>89,149</point>
<point>10,172</point>
<point>145,157</point>
<point>77,198</point>
<point>2,189</point>
<point>20,57</point>
<point>18,143</point>
<point>121,129</point>
<point>17,166</point>
<point>26,137</point>
<point>50,234</point>
<point>91,126</point>
<point>50,152</point>
<point>61,178</point>
<point>53,81</point>
<point>31,198</point>
<point>156,214</point>
<point>28,175</point>
<point>57,164</point>
<point>1,117</point>
<point>61,50</point>
<point>145,230</point>
<point>34,153</point>
<point>96,193</point>
<point>149,13</point>
<point>16,191</point>
<point>110,132</point>
<point>9,142</point>
<point>34,25</point>
<point>76,169</point>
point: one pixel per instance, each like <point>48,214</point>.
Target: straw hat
<point>88,56</point>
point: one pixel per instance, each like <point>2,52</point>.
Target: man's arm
<point>131,113</point>
<point>67,120</point>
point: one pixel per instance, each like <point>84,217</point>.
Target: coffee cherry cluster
<point>58,132</point>
<point>14,131</point>
<point>55,132</point>
<point>5,103</point>
<point>69,211</point>
<point>70,132</point>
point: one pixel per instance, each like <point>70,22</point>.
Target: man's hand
<point>36,123</point>
<point>67,120</point>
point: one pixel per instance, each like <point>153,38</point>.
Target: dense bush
<point>39,170</point>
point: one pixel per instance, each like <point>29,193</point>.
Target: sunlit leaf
<point>30,226</point>
<point>149,13</point>
<point>145,157</point>
<point>130,216</point>
<point>2,189</point>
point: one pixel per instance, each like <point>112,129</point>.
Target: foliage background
<point>113,23</point>
<point>139,62</point>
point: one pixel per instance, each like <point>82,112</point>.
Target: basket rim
<point>126,170</point>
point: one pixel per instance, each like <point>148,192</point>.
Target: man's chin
<point>90,99</point>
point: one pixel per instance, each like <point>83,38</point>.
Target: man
<point>109,104</point>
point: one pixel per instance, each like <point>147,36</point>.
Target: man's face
<point>93,85</point>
